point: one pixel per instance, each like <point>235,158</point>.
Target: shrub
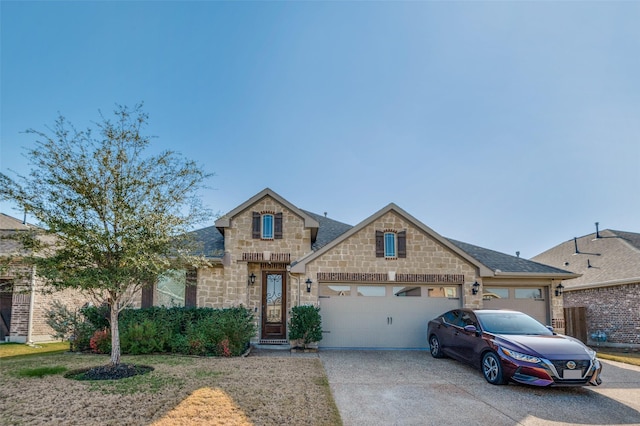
<point>100,342</point>
<point>305,324</point>
<point>138,339</point>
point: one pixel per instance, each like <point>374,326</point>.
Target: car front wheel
<point>492,369</point>
<point>434,345</point>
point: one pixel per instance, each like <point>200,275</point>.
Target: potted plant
<point>305,325</point>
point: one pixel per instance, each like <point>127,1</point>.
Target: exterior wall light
<point>252,279</point>
<point>559,288</point>
<point>308,283</point>
<point>475,288</point>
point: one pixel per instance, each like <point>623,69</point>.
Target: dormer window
<point>267,225</point>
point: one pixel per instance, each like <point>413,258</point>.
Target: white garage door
<point>382,316</point>
<point>533,301</point>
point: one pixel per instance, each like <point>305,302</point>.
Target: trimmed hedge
<point>190,331</point>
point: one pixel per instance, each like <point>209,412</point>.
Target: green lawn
<point>8,350</point>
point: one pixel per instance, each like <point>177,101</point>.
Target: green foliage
<point>76,326</point>
<point>305,324</point>
<point>142,338</point>
<point>113,219</point>
<point>190,331</point>
<point>41,371</point>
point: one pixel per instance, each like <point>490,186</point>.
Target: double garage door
<point>382,316</point>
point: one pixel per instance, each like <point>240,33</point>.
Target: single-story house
<point>23,303</point>
<point>377,283</point>
<point>608,263</point>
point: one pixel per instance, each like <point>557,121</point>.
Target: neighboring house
<point>23,301</point>
<point>377,283</point>
<point>609,286</point>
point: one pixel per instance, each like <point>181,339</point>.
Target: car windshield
<point>511,323</point>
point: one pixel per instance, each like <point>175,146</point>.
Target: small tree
<point>113,219</point>
<point>305,324</point>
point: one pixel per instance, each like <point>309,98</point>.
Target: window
<point>267,225</point>
<point>335,290</point>
<point>528,293</point>
<point>171,288</point>
<point>407,291</point>
<point>391,244</point>
<point>495,293</point>
<point>372,291</point>
<point>174,288</point>
<point>450,292</point>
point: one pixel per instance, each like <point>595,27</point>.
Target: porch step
<point>273,344</point>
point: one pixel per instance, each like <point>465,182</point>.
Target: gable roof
<point>301,264</point>
<point>613,258</point>
<point>504,264</point>
<point>309,222</point>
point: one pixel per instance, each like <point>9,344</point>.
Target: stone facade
<point>613,312</point>
<point>356,254</point>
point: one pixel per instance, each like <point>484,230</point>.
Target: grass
<point>180,390</point>
<point>41,371</point>
<point>629,357</point>
<point>9,350</point>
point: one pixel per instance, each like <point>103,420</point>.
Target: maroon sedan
<point>509,345</point>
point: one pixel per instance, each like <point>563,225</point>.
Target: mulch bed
<point>109,372</point>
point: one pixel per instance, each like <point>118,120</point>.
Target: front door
<point>274,306</point>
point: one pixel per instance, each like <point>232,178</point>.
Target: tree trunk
<point>115,336</point>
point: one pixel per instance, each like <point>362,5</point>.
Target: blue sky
<point>510,125</point>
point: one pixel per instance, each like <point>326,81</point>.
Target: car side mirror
<point>550,329</point>
<point>471,329</point>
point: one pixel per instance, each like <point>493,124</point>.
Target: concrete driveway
<point>412,388</point>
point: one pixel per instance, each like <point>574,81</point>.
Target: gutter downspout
<point>32,300</point>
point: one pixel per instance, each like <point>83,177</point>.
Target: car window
<point>451,317</point>
<point>467,318</point>
<point>511,323</point>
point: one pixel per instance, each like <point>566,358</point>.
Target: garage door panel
<point>530,300</point>
<point>380,322</point>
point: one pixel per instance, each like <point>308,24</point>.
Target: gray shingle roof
<point>505,262</point>
<point>328,230</point>
<point>615,256</point>
<point>211,242</point>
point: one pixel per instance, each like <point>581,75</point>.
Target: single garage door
<point>533,301</point>
<point>382,316</point>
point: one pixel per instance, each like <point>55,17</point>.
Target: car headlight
<point>521,357</point>
<point>591,352</point>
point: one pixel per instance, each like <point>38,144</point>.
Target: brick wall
<point>614,310</point>
<point>43,298</point>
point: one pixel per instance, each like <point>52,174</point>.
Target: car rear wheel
<point>434,345</point>
<point>492,369</point>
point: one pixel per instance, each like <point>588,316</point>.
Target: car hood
<point>551,347</point>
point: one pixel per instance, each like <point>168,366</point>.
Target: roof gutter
<point>561,276</point>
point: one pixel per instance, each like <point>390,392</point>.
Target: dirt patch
<point>271,390</point>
